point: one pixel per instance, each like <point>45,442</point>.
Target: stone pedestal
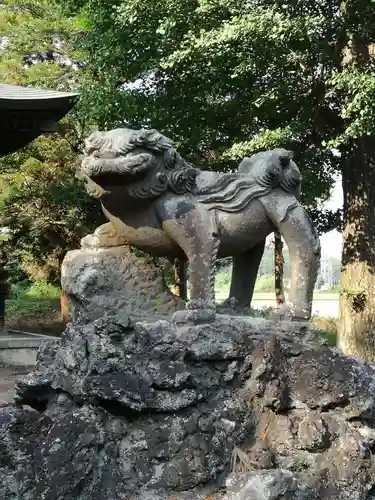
<point>98,280</point>
<point>237,409</point>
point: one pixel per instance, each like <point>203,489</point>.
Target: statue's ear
<point>285,158</point>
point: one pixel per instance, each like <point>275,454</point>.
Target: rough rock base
<point>98,280</point>
<point>238,409</point>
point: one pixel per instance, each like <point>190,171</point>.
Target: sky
<point>331,242</point>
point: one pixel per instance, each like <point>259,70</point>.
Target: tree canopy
<point>42,204</point>
<point>227,78</point>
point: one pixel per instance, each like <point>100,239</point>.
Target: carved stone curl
<point>161,204</point>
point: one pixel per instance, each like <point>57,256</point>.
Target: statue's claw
<point>194,316</point>
<point>231,303</point>
<point>288,313</point>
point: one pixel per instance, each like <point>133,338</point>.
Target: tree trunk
<point>179,279</point>
<point>356,333</point>
<point>279,270</point>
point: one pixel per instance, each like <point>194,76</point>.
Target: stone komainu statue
<point>161,204</point>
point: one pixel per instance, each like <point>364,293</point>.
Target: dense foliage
<point>42,204</point>
<point>228,77</point>
<point>46,210</point>
<point>224,79</point>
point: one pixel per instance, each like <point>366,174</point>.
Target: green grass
<point>327,328</point>
<point>36,296</point>
<point>33,308</point>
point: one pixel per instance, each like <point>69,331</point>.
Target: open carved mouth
<point>96,153</point>
<point>89,150</point>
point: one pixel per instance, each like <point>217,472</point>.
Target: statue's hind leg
<point>196,233</point>
<point>244,275</point>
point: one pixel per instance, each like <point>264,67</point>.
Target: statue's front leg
<point>194,229</point>
<point>304,248</point>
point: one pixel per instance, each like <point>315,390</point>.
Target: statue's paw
<point>195,316</point>
<point>103,237</point>
<point>89,241</point>
<point>95,241</point>
<point>230,303</point>
<point>289,313</point>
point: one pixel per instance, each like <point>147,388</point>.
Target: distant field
<point>317,296</point>
<point>265,296</point>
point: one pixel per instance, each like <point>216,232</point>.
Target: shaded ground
<point>8,377</point>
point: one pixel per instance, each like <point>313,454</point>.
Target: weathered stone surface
<point>146,411</point>
<point>273,484</point>
<point>113,279</point>
<point>8,377</point>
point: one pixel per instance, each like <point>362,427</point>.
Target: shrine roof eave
<point>15,97</point>
<point>26,113</point>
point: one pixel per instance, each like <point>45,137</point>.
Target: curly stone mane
<point>125,140</point>
<point>148,166</point>
<point>256,177</point>
<point>129,152</point>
